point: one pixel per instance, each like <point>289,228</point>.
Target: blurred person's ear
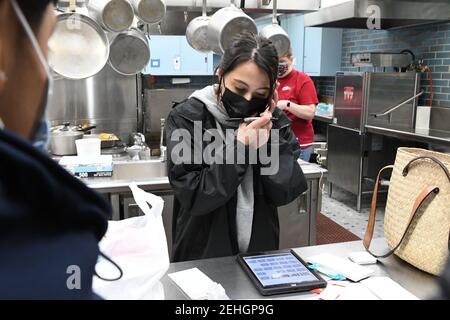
<point>24,91</point>
<point>5,38</point>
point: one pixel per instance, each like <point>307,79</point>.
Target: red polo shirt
<point>299,88</point>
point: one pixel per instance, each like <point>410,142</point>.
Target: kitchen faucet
<point>162,147</point>
<point>139,150</point>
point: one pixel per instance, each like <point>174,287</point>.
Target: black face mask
<point>282,69</point>
<point>238,107</point>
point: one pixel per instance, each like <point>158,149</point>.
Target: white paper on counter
<point>349,269</point>
<point>374,288</point>
<point>387,289</point>
<point>357,291</point>
<point>333,290</point>
<point>197,285</point>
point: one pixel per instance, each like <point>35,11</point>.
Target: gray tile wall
<point>432,43</point>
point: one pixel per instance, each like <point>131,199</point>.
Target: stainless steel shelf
<point>427,136</point>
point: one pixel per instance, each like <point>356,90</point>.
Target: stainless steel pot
<point>78,48</point>
<point>149,11</point>
<point>113,15</point>
<point>276,34</point>
<point>225,24</point>
<point>62,140</point>
<point>129,52</point>
<point>197,32</point>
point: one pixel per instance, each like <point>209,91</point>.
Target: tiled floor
<point>341,208</point>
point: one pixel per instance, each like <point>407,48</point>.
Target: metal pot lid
<point>130,52</point>
<point>78,48</point>
<point>150,11</point>
<point>225,24</point>
<point>281,43</point>
<point>279,37</point>
<point>118,15</point>
<point>235,26</point>
<point>197,31</point>
<point>276,34</point>
<point>197,34</point>
<point>67,130</point>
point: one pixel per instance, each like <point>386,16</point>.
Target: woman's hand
<point>283,105</point>
<point>256,133</point>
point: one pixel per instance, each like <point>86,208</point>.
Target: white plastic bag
<point>139,246</point>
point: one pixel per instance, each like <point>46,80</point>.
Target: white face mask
<point>42,123</point>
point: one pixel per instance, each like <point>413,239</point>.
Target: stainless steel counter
<point>237,285</point>
<point>112,185</point>
<point>421,135</point>
<point>323,118</point>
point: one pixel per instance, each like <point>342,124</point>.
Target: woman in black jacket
<point>226,200</point>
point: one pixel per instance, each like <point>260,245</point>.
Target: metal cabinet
<point>294,219</point>
<point>293,24</point>
<point>298,219</point>
<point>173,56</point>
<point>322,51</point>
<point>355,155</point>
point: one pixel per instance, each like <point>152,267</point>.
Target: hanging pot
<point>197,32</point>
<point>78,48</point>
<point>130,52</point>
<point>112,15</point>
<point>225,24</point>
<point>149,11</point>
<point>276,34</point>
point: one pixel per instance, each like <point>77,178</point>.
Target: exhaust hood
<point>393,14</point>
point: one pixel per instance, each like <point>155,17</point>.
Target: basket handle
<point>373,211</point>
<point>436,160</point>
<point>420,199</point>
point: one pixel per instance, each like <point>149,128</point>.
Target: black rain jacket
<point>204,217</point>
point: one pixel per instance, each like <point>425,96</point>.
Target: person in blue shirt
<point>50,222</point>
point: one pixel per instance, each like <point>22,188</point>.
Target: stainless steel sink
<point>139,170</point>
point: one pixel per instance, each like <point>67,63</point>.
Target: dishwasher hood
<point>393,14</point>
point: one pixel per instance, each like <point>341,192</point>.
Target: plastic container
<point>88,147</point>
<point>423,117</point>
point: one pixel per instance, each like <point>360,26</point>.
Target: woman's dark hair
<point>249,47</point>
<point>34,10</point>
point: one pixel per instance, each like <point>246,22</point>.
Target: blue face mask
<point>40,137</point>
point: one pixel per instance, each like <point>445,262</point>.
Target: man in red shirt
<point>298,98</point>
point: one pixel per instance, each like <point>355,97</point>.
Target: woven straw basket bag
<point>417,216</point>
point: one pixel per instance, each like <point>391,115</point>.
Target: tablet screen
<point>279,269</point>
